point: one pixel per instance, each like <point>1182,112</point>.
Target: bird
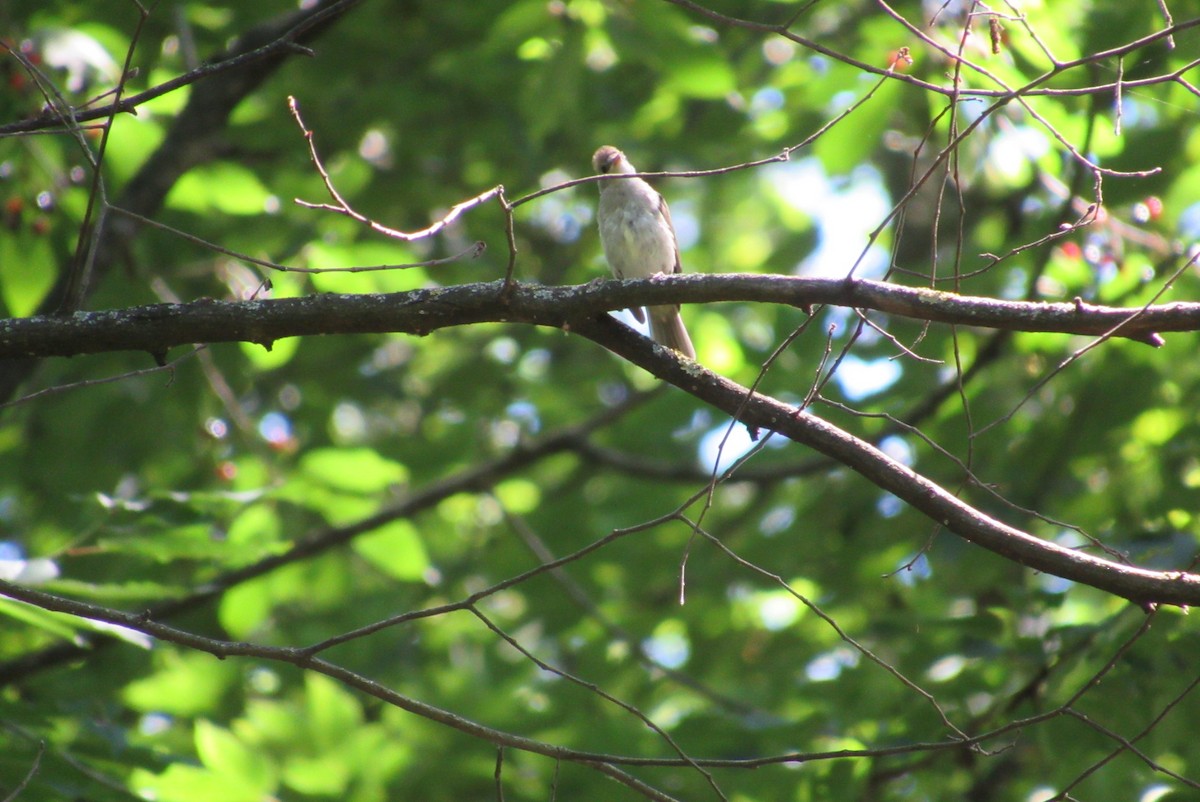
<point>639,241</point>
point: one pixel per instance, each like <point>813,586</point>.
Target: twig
<point>133,374</point>
<point>340,205</point>
<point>471,253</point>
<point>29,775</point>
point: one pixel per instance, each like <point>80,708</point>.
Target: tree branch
<point>293,30</point>
<point>159,327</point>
<point>250,59</point>
<point>478,477</point>
<point>763,412</point>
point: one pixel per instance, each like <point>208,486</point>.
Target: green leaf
<point>319,775</point>
<point>225,754</point>
<point>395,549</point>
<point>702,76</point>
<point>223,187</point>
<point>55,624</point>
<point>352,470</point>
<point>26,271</point>
<point>243,609</point>
<point>273,355</point>
<point>182,684</point>
<point>331,711</point>
<point>182,783</point>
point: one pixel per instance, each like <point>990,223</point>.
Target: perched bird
<point>639,241</point>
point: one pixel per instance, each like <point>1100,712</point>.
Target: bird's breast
<point>637,240</point>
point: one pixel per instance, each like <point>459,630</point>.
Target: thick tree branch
<point>159,327</point>
<point>763,412</point>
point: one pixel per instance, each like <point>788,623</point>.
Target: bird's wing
<point>666,215</point>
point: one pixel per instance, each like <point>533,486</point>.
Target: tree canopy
<point>332,471</point>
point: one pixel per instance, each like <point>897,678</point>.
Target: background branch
<point>190,141</point>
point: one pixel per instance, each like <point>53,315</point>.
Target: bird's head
<point>610,160</point>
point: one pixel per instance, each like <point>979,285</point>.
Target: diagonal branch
<point>296,28</point>
<point>477,477</point>
<point>157,328</point>
<point>190,141</point>
<point>765,413</point>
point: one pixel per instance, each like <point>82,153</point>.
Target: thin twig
<point>341,206</point>
<point>79,385</point>
<point>470,253</point>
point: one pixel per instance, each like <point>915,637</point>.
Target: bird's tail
<point>666,327</point>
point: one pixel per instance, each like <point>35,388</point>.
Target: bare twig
<point>169,368</point>
<point>90,232</point>
<point>473,252</point>
<point>29,775</point>
<point>341,206</point>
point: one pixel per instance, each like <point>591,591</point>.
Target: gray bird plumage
<point>639,241</point>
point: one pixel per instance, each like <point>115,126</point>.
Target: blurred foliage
<point>133,493</point>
